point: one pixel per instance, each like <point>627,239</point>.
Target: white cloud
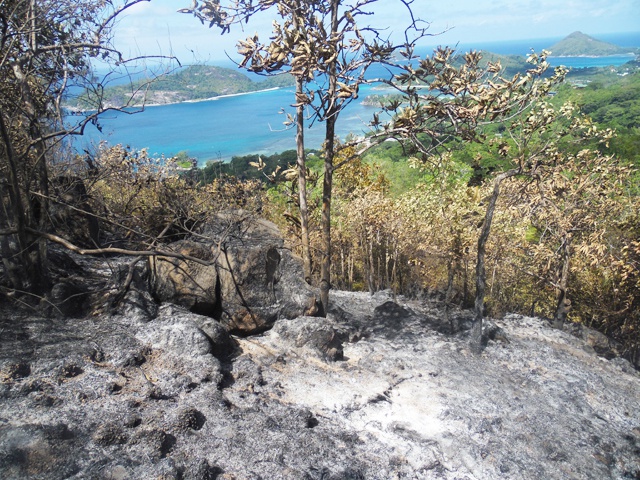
<point>155,27</point>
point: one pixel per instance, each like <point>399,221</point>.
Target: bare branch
<point>119,251</point>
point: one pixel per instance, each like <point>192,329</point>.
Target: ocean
<point>222,128</point>
<point>245,124</point>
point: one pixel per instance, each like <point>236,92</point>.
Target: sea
<point>224,127</point>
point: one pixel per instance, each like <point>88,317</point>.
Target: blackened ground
<point>380,390</point>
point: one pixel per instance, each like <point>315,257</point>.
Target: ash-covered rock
<point>174,396</point>
<point>244,278</point>
<point>316,335</point>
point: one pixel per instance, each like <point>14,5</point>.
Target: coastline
<point>629,54</point>
<point>219,131</point>
<point>210,99</point>
<point>78,110</point>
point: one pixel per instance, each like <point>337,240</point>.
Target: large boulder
<point>235,270</point>
<point>189,283</point>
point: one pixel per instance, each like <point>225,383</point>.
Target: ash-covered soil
<point>380,390</point>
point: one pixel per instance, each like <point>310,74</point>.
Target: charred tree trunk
<point>23,255</point>
<point>371,277</point>
<point>31,191</point>
<point>465,283</point>
<point>481,274</point>
<point>327,186</point>
<point>394,269</point>
<point>563,305</point>
<point>12,214</point>
<point>302,181</point>
<point>452,267</point>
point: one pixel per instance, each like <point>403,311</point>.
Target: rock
<point>246,375</point>
<point>389,318</point>
<point>316,335</point>
<point>491,331</point>
<point>67,299</point>
<point>249,282</point>
<point>181,354</point>
<point>220,342</point>
<point>625,365</point>
<point>138,306</point>
<point>69,296</point>
<point>391,313</point>
<point>186,282</point>
<point>116,472</point>
<point>136,302</point>
<point>603,345</point>
<point>61,263</point>
<point>175,334</point>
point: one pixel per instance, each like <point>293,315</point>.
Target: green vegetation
<point>379,99</point>
<point>197,82</point>
<point>578,44</point>
<point>612,100</point>
<point>245,167</point>
<point>182,160</point>
<point>616,105</point>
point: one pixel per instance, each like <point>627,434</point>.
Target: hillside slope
<point>134,397</point>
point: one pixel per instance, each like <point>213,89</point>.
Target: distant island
<point>193,83</point>
<point>204,82</point>
<point>579,44</point>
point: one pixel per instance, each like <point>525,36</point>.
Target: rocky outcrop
<point>376,391</point>
<point>187,282</point>
<point>243,275</point>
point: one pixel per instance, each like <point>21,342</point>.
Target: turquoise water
<point>244,124</point>
<point>589,62</point>
<point>219,129</point>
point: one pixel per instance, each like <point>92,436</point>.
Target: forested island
<point>203,82</point>
<point>193,83</point>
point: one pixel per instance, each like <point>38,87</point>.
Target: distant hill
<point>511,64</point>
<point>197,82</point>
<point>578,44</point>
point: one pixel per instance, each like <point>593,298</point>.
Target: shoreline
<point>210,99</point>
<point>78,110</point>
<point>630,54</point>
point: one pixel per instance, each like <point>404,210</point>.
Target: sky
<point>155,27</point>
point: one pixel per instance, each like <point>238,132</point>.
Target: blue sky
<point>155,28</point>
